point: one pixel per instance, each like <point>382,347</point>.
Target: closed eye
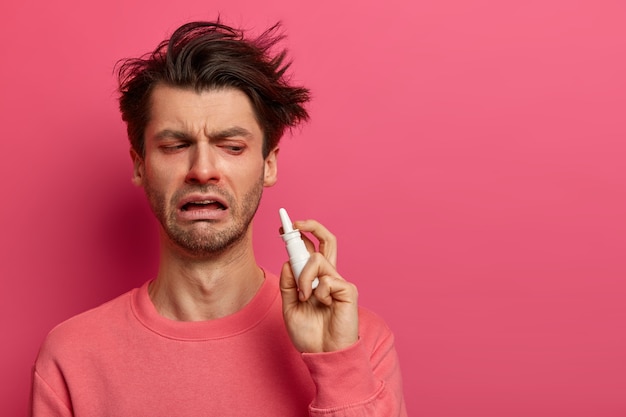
<point>234,149</point>
<point>170,148</point>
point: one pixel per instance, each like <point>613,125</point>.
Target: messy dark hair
<point>210,55</point>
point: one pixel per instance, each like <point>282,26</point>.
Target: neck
<point>195,288</point>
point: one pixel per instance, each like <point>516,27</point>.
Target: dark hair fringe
<point>209,55</point>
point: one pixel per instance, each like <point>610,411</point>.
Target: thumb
<point>288,286</point>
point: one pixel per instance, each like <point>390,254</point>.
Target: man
<point>214,334</point>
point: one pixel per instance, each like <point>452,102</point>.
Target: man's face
<point>203,170</point>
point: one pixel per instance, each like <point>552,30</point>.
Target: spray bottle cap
<point>286,221</point>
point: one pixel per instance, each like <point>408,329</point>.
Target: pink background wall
<point>468,154</point>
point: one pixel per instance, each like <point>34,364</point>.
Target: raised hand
<point>326,319</point>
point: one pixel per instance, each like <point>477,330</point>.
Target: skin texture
<point>203,172</point>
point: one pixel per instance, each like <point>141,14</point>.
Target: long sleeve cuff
<point>343,377</point>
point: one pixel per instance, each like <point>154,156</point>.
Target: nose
<point>203,166</point>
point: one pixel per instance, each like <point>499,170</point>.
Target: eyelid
<point>173,145</point>
<point>234,148</point>
<point>232,143</point>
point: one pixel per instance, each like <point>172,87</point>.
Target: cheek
<point>163,172</point>
<point>158,184</point>
<point>243,170</point>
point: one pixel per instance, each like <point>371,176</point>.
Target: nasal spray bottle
<point>298,254</point>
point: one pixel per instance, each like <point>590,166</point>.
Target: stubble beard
<point>203,238</point>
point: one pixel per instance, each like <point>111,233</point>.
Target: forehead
<point>205,110</point>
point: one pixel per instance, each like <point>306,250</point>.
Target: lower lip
<point>199,214</point>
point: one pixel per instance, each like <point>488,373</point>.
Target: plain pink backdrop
<point>468,154</point>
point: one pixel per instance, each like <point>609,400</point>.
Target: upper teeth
<point>204,202</point>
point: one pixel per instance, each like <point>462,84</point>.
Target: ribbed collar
<point>239,322</point>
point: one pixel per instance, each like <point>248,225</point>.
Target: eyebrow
<point>172,134</point>
<point>219,135</point>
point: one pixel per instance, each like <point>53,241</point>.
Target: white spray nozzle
<point>285,220</point>
<point>296,249</point>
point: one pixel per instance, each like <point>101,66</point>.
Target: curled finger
<point>327,240</point>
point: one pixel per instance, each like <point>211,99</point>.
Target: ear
<point>271,170</point>
<point>138,168</point>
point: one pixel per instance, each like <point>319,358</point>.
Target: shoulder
<point>371,321</point>
<point>86,328</point>
<point>373,330</point>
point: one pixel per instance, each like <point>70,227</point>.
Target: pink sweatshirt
<point>124,359</point>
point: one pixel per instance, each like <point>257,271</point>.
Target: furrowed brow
<point>172,134</point>
<point>231,132</point>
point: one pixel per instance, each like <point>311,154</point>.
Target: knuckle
<point>317,256</point>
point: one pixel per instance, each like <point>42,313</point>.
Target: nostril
<point>203,174</point>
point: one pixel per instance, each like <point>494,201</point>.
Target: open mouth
<point>203,205</point>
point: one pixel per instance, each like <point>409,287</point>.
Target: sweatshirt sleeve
<point>363,380</point>
<point>44,401</point>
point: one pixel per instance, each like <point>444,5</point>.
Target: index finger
<point>327,241</point>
